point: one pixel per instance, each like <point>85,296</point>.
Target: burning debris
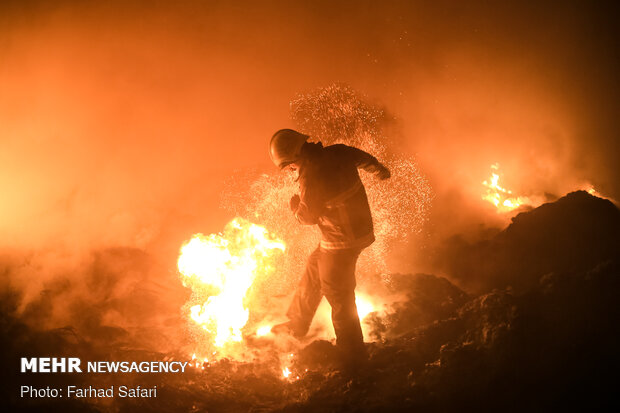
<point>220,269</point>
<point>432,345</point>
<point>505,201</point>
<point>502,198</point>
<point>572,234</point>
<point>437,348</point>
<point>120,122</point>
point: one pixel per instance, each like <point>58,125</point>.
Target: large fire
<point>220,269</point>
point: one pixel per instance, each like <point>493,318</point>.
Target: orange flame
<point>364,306</point>
<point>501,197</point>
<point>220,268</point>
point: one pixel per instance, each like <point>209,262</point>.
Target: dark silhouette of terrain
<point>572,234</point>
<point>541,334</point>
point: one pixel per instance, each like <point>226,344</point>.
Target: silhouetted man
<point>332,196</point>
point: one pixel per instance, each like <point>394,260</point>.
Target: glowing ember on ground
<point>286,372</point>
<point>501,197</point>
<point>220,268</point>
<point>592,191</point>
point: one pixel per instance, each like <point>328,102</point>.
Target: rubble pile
<point>543,336</point>
<point>573,234</point>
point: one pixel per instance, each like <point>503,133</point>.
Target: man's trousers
<point>330,273</point>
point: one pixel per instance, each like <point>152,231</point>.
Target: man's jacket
<point>332,195</point>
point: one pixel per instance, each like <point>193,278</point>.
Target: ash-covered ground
<point>538,330</point>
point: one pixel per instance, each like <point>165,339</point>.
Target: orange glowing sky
<point>119,121</point>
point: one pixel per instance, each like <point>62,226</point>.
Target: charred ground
<point>539,331</point>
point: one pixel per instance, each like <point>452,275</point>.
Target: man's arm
<point>304,214</point>
<point>306,207</point>
<point>364,160</point>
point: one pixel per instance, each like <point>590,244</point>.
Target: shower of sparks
<point>400,205</point>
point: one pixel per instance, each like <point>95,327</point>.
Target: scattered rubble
<point>544,338</point>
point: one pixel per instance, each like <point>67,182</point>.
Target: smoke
<point>122,122</point>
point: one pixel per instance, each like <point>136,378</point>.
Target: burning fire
<point>362,301</point>
<point>504,201</point>
<point>365,303</point>
<point>263,330</point>
<point>501,197</point>
<point>220,268</point>
<point>364,306</point>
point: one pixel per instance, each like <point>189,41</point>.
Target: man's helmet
<point>285,147</point>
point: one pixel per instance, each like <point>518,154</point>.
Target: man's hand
<point>294,202</point>
<point>383,172</point>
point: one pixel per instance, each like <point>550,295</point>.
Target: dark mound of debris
<point>572,234</point>
<point>548,345</point>
<point>425,298</point>
<point>552,348</point>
